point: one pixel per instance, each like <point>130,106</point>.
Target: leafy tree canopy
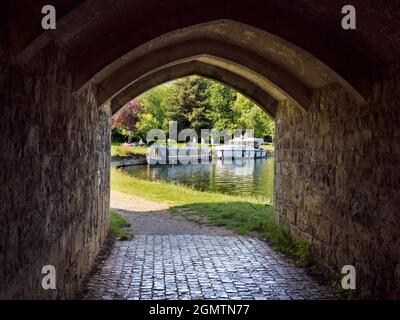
<point>194,102</point>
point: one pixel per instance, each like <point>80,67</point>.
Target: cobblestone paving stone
<point>200,267</point>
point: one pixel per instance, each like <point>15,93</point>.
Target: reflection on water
<point>238,177</point>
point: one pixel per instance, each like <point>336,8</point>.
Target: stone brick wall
<point>54,177</point>
<point>337,179</point>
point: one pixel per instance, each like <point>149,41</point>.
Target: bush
<point>119,135</point>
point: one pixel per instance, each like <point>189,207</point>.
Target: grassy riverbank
<point>244,215</point>
<point>121,151</point>
<point>118,150</point>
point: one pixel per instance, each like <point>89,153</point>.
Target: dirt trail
<point>154,218</point>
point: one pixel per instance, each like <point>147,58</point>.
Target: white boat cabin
<point>241,147</point>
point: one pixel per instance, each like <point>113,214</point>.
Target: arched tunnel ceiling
<point>186,68</point>
<point>95,34</point>
<point>239,37</point>
<point>273,79</point>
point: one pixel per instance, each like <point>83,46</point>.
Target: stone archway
<point>180,70</point>
<point>280,68</point>
<point>334,95</point>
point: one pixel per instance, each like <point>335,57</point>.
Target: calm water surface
<point>237,177</point>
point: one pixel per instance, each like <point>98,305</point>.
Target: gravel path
<point>150,217</point>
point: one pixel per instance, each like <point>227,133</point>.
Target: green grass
<point>117,225</point>
<point>121,151</point>
<point>348,294</point>
<point>118,150</point>
<point>244,215</point>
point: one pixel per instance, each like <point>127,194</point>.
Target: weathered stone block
<point>52,212</point>
<point>349,186</point>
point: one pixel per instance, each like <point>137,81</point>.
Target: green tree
<point>186,102</point>
<point>197,102</point>
<point>221,100</point>
<point>251,116</point>
<point>147,121</point>
<point>154,102</point>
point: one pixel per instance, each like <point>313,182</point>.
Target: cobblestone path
<point>173,258</point>
<point>200,267</point>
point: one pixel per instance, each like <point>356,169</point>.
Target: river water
<point>236,177</point>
